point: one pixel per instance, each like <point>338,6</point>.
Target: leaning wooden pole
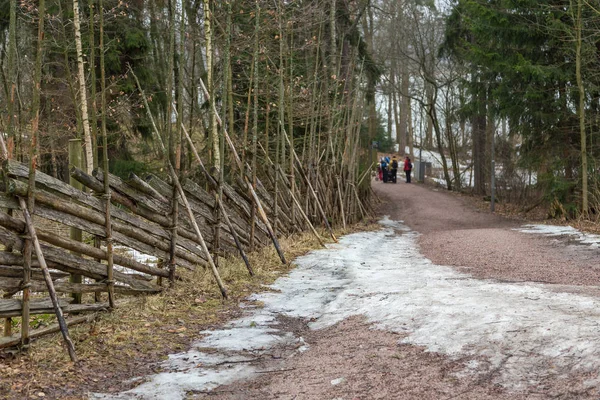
<point>310,188</point>
<point>302,213</point>
<point>360,206</point>
<point>310,225</point>
<point>257,201</point>
<point>224,213</point>
<point>177,183</point>
<point>341,200</point>
<point>110,281</point>
<point>367,172</point>
<point>44,267</point>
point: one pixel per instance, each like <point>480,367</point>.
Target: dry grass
<point>129,341</point>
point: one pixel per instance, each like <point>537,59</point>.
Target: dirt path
<point>455,233</point>
<point>515,318</point>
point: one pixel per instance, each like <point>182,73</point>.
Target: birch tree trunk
<point>12,75</point>
<point>92,67</point>
<point>87,136</point>
<point>213,133</point>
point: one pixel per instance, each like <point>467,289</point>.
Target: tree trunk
<point>581,113</point>
<point>108,228</point>
<point>87,136</point>
<point>410,139</point>
<point>255,123</point>
<point>92,67</point>
<point>373,120</point>
<point>213,133</point>
<point>478,124</point>
<point>12,76</point>
<point>438,135</point>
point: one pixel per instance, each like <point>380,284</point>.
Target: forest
<point>505,91</point>
<point>504,86</point>
<point>287,79</point>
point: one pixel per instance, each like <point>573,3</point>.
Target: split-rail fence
<point>141,216</point>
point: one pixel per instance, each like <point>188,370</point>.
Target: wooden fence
<point>144,217</point>
<point>141,218</point>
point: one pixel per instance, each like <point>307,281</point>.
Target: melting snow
<point>513,328</point>
<point>556,230</point>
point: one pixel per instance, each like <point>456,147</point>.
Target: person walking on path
<point>393,169</point>
<point>407,168</point>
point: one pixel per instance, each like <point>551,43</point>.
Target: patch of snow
<point>303,345</point>
<point>513,329</point>
<point>439,181</point>
<point>255,338</point>
<point>185,361</point>
<point>337,381</point>
<point>137,255</point>
<point>557,230</point>
<point>398,225</point>
<point>174,385</point>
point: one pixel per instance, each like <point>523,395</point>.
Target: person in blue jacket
<point>384,168</point>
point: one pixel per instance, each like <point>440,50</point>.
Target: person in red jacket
<point>407,168</point>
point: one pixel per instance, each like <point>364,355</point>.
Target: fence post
<point>75,160</point>
<point>7,326</point>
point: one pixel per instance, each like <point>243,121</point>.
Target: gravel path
<point>351,360</point>
<point>484,245</point>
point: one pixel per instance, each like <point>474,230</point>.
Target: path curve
<point>455,233</point>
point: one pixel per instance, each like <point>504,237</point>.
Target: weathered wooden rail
<point>141,219</point>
